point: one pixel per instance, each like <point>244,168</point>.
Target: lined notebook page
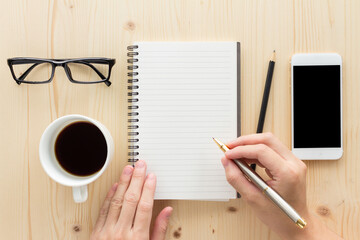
<point>187,95</point>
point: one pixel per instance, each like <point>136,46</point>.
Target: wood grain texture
<point>34,207</point>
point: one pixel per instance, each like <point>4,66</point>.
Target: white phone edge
<point>310,59</point>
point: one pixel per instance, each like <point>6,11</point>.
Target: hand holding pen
<point>287,177</point>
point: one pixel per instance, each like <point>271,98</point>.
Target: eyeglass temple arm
<point>108,83</point>
<point>23,76</point>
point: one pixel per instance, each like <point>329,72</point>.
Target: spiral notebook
<point>181,94</point>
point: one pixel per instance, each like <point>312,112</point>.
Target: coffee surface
<point>81,149</point>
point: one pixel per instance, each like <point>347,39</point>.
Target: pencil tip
<point>273,57</point>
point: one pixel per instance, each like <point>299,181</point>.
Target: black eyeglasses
<point>79,70</point>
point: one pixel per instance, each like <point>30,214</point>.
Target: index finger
<point>117,200</point>
<point>264,138</point>
<point>265,155</point>
<point>132,196</point>
<point>144,209</point>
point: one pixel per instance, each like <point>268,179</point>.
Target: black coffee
<point>81,149</point>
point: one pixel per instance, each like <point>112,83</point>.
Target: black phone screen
<point>316,106</point>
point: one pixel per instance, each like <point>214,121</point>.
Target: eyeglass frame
<point>63,63</point>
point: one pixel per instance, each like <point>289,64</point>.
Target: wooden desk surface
<point>34,207</point>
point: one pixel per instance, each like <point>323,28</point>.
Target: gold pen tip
<point>221,145</point>
<point>301,223</point>
<point>216,141</point>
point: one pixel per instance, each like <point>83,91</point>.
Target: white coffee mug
<point>52,166</point>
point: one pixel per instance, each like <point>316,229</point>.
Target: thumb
<point>161,224</point>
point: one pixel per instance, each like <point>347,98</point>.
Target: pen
<point>251,175</point>
<point>265,98</point>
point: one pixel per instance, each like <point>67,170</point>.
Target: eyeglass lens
<point>33,72</point>
<point>88,72</point>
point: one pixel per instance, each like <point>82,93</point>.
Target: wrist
<point>314,230</point>
<point>294,232</point>
<point>310,231</point>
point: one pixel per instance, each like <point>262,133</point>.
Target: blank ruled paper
<point>187,95</point>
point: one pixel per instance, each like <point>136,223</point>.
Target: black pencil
<point>265,99</point>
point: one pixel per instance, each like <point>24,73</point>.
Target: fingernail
<point>151,176</point>
<point>140,164</point>
<point>168,214</point>
<point>128,170</point>
<point>225,162</point>
<point>231,142</point>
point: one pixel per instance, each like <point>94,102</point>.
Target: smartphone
<point>316,100</point>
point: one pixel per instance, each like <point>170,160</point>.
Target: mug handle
<point>80,194</point>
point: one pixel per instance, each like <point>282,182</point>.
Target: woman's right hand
<point>287,177</point>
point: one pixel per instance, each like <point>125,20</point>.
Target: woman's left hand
<point>127,209</point>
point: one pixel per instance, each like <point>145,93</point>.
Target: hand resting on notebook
<point>287,176</point>
<point>127,209</point>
